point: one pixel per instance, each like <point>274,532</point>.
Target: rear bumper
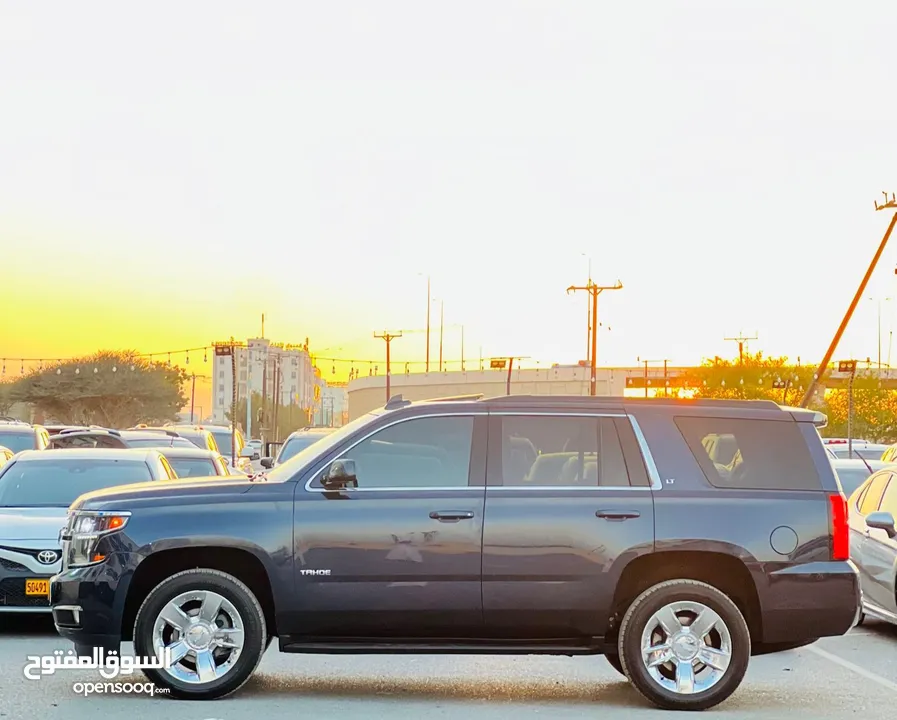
<point>809,601</point>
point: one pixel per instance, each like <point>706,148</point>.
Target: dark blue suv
<point>676,538</point>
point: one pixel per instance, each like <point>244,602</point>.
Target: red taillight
<point>840,528</point>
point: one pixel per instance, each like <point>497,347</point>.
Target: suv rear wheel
<point>684,645</point>
<point>214,628</point>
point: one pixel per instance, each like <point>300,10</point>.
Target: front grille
<point>12,594</point>
<point>10,565</point>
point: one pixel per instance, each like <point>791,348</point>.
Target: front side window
<point>751,454</point>
<point>570,452</point>
<point>426,452</point>
<point>889,501</point>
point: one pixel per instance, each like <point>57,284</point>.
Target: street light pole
<point>429,302</point>
<point>441,330</point>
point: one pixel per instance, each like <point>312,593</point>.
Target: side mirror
<point>267,462</point>
<point>882,521</point>
<point>249,452</point>
<point>340,474</point>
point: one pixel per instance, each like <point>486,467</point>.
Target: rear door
<point>567,495</point>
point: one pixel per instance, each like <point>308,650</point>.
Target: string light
<point>186,358</point>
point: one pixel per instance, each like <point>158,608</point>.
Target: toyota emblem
<point>47,557</point>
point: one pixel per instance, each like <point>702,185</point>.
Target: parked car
<point>119,439</point>
<point>521,524</point>
<point>36,489</point>
<point>890,455</point>
<point>858,449</point>
<point>853,473</point>
<point>225,437</point>
<point>873,543</point>
<point>5,455</point>
<point>18,435</point>
<point>56,429</point>
<point>192,462</point>
<point>295,443</point>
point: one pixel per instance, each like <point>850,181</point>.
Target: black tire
<point>255,634</point>
<point>636,620</point>
<point>614,660</point>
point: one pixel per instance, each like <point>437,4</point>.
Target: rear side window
<point>765,454</point>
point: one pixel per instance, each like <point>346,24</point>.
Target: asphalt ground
<point>845,677</point>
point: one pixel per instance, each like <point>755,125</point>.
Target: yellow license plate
<point>37,587</point>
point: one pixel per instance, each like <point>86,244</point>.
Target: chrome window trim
<point>651,467</point>
<point>647,456</point>
<point>454,488</point>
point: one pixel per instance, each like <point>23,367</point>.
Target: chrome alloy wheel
<point>203,632</point>
<point>686,647</point>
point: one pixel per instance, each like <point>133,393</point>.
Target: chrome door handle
<point>451,515</point>
<point>618,514</point>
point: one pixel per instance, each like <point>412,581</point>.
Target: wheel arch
<point>241,562</point>
<point>728,572</point>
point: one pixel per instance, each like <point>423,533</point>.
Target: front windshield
<point>296,444</point>
<point>58,483</point>
<point>18,441</point>
<point>282,473</point>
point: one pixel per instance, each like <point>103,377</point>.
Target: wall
<point>368,393</point>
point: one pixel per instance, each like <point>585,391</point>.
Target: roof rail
<point>457,398</point>
<point>396,401</point>
<point>617,400</point>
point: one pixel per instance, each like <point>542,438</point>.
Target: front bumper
<point>88,603</point>
<point>13,597</point>
<point>807,602</point>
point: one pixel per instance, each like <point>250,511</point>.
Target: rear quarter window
<point>765,454</point>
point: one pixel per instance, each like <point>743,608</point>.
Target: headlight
<point>83,532</point>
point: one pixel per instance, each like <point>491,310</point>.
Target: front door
<point>880,556</point>
<point>400,555</point>
<point>567,497</point>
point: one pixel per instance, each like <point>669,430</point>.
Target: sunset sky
<point>169,172</point>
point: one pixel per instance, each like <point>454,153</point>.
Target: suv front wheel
<point>214,628</point>
<point>684,645</point>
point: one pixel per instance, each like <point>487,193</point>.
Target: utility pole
<point>820,371</point>
<point>193,396</point>
<point>741,340</point>
<point>429,303</point>
<point>441,330</point>
<point>229,349</point>
<point>462,348</point>
<point>389,337</point>
<point>594,291</point>
<point>505,362</point>
<point>275,392</point>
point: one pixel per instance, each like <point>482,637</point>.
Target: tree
<point>112,389</point>
<point>874,411</point>
<point>756,378</point>
<point>289,418</point>
<point>6,401</point>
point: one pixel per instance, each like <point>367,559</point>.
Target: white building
<point>260,364</point>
